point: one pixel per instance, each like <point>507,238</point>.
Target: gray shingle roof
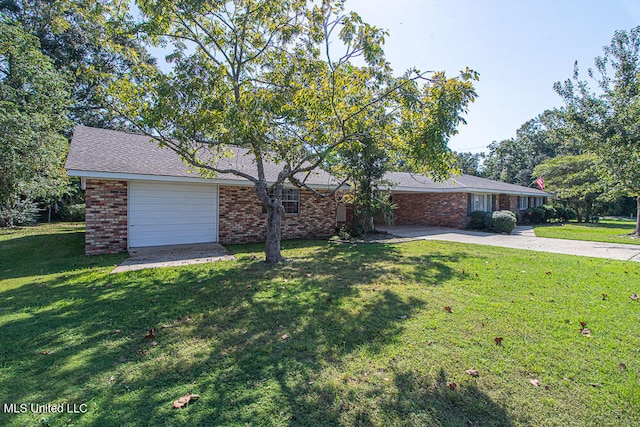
<point>410,182</point>
<point>103,153</point>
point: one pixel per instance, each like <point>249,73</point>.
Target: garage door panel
<point>172,213</point>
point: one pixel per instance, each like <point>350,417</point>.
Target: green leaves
<point>33,102</point>
<point>606,122</point>
<point>300,84</point>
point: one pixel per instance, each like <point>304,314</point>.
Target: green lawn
<point>352,335</point>
<point>610,230</point>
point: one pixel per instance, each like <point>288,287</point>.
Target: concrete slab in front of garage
<point>172,256</point>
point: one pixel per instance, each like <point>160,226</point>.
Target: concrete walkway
<point>171,256</point>
<point>522,238</point>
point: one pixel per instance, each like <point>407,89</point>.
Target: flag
<point>540,183</point>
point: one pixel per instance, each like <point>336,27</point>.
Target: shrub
<point>23,212</point>
<point>536,215</point>
<point>501,222</point>
<point>564,214</point>
<point>477,220</point>
<point>73,212</point>
<point>549,212</point>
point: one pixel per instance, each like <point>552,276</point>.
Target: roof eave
<point>170,178</point>
<point>468,190</point>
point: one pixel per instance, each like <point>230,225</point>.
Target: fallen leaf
<point>184,400</point>
<point>448,309</point>
<point>586,332</point>
<point>153,300</point>
<point>116,331</point>
<point>452,386</point>
<point>583,324</point>
<point>634,297</point>
<point>535,382</point>
<point>47,352</point>
<point>622,366</point>
<point>141,352</point>
<point>548,272</point>
<point>595,385</point>
<point>402,317</point>
<point>153,343</point>
<point>112,378</point>
<point>473,372</point>
<point>285,336</point>
<point>604,297</point>
<point>308,275</point>
<point>165,326</point>
<point>151,334</point>
<point>498,340</point>
<point>188,318</point>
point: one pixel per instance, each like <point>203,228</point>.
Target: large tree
<point>607,120</point>
<point>577,183</point>
<point>298,84</point>
<point>544,137</point>
<point>74,34</point>
<point>470,163</point>
<point>33,102</point>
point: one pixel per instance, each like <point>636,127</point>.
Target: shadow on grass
<point>44,254</point>
<point>262,345</point>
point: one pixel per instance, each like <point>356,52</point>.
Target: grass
<point>610,230</point>
<point>352,335</point>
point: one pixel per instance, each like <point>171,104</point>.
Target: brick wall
<point>242,220</point>
<point>508,202</point>
<point>434,209</point>
<point>106,217</point>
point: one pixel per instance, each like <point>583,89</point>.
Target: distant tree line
<point>588,151</point>
<point>54,58</point>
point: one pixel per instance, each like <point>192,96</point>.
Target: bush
<point>536,215</point>
<point>564,214</point>
<point>73,212</point>
<point>477,221</point>
<point>23,212</point>
<point>501,222</point>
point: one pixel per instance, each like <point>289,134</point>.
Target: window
<point>480,202</point>
<point>290,201</point>
<point>523,203</point>
<point>539,201</point>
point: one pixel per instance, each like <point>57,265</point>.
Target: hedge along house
<point>421,201</point>
<point>138,194</point>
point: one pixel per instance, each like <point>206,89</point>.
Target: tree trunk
<point>274,234</point>
<point>576,209</point>
<point>273,205</point>
<point>637,232</point>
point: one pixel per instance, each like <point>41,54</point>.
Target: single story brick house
<point>138,194</point>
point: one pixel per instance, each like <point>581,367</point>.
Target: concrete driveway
<point>521,238</point>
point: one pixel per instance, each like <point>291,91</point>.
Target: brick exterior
<point>106,217</point>
<point>434,209</point>
<point>508,202</point>
<point>242,220</point>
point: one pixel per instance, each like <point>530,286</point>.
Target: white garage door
<point>172,214</point>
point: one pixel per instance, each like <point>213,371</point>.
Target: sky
<point>519,47</point>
